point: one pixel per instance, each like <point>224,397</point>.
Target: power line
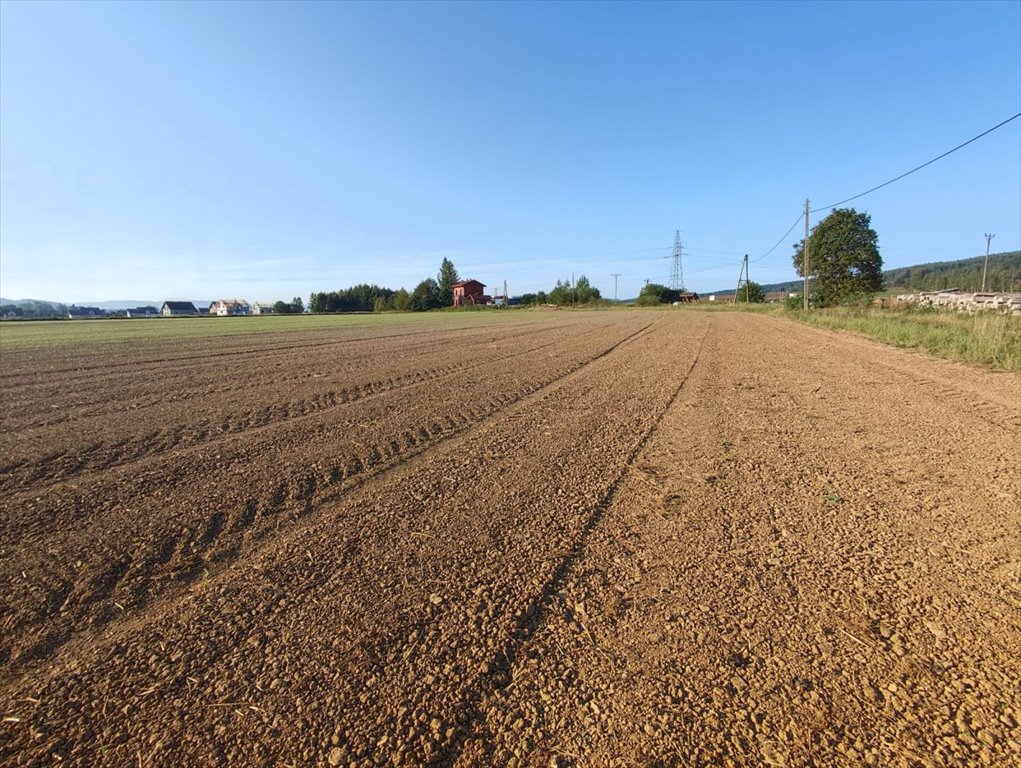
<point>948,152</point>
<point>884,184</point>
<point>778,242</point>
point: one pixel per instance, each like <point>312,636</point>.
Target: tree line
<point>438,292</point>
<point>1004,274</point>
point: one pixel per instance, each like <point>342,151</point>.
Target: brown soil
<point>627,538</point>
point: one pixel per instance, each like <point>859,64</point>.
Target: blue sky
<point>200,150</point>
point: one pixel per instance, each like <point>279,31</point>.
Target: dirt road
<point>611,538</point>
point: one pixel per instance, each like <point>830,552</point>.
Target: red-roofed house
<point>468,292</point>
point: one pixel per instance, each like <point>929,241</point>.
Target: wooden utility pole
<point>986,265</point>
<point>743,279</point>
<point>805,261</point>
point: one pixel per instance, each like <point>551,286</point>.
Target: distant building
<point>686,297</point>
<point>262,309</point>
<point>82,313</point>
<point>178,309</point>
<point>141,311</point>
<point>230,308</point>
<point>469,293</point>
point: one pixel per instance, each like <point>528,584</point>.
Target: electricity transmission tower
<point>676,273</point>
<point>615,276</point>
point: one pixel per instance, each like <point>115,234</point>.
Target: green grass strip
<point>983,338</point>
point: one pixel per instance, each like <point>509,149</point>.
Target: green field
<point>27,334</point>
<point>982,339</point>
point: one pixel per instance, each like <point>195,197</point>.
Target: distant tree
<point>297,306</point>
<point>561,294</point>
<point>653,294</point>
<point>585,292</point>
<point>527,299</point>
<point>445,280</point>
<point>281,308</point>
<point>402,301</point>
<point>541,297</point>
<point>582,292</point>
<point>650,295</point>
<point>379,305</point>
<point>752,292</point>
<point>426,296</point>
<point>30,308</point>
<point>357,298</point>
<point>843,257</point>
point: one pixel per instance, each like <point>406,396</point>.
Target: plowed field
<point>531,538</point>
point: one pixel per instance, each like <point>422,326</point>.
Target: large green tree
<point>843,257</point>
<point>445,279</point>
<point>752,293</point>
<point>426,296</point>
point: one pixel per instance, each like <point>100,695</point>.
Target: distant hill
<point>1004,274</point>
<point>790,286</point>
<point>36,308</point>
<point>114,305</point>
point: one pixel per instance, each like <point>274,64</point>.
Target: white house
<point>230,307</point>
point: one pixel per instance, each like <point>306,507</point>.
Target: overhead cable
<point>884,184</point>
<point>948,152</point>
<point>778,242</point>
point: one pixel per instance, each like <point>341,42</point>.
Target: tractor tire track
<point>319,572</point>
<point>60,467</point>
<point>108,579</point>
<point>499,669</point>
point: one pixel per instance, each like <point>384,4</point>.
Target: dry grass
<point>983,338</point>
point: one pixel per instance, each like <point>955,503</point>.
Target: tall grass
<point>984,338</point>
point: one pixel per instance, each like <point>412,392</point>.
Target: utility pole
<point>743,279</point>
<point>615,276</point>
<point>989,239</point>
<point>805,264</point>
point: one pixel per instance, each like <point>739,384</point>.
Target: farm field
<point>524,538</point>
